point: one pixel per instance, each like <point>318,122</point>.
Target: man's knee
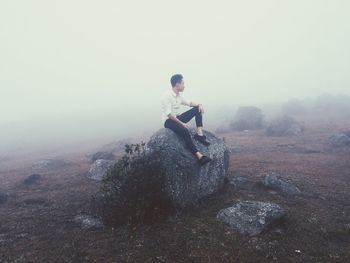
<point>196,108</point>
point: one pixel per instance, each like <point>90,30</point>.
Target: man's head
<point>177,82</point>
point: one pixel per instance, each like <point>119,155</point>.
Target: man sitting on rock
<point>171,101</point>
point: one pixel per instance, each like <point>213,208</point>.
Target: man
<point>171,102</point>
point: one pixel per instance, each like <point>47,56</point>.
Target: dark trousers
<point>186,117</point>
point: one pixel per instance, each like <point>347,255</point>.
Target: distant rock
<point>251,217</point>
<point>340,139</point>
<point>99,168</point>
<point>88,222</point>
<point>284,126</point>
<point>223,128</point>
<point>31,179</point>
<point>247,118</point>
<point>187,181</point>
<point>293,107</point>
<point>103,155</point>
<point>272,181</point>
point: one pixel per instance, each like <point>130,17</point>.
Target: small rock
<point>4,197</point>
<point>273,182</point>
<point>251,217</point>
<point>88,222</point>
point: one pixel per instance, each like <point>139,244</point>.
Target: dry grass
<point>36,223</point>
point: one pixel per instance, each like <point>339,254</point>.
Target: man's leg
<point>188,115</point>
<point>177,128</point>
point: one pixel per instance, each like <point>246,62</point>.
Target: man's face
<point>180,86</point>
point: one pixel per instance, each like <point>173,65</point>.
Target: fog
<point>74,71</point>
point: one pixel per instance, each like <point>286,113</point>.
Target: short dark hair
<point>176,79</point>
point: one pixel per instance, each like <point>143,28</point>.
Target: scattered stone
<point>103,155</point>
<point>247,118</point>
<point>31,179</point>
<point>99,168</point>
<point>88,222</point>
<point>284,126</point>
<point>187,181</point>
<point>340,139</point>
<point>4,196</point>
<point>273,182</point>
<point>252,217</point>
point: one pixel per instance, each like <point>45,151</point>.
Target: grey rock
<point>99,168</point>
<point>251,217</point>
<point>273,182</point>
<point>185,180</point>
<point>284,126</point>
<point>247,118</point>
<point>340,139</point>
<point>88,222</point>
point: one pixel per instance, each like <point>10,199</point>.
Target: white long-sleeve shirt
<point>171,102</point>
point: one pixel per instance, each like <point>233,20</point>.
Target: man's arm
<point>194,104</point>
<point>166,107</point>
<point>173,117</point>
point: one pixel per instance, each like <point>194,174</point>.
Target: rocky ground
<point>42,218</point>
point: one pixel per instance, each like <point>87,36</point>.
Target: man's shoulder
<point>166,94</point>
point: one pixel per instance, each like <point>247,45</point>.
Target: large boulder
<point>185,180</point>
<point>247,118</point>
<point>252,217</point>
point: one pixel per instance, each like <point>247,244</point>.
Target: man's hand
<point>185,125</point>
<point>201,109</point>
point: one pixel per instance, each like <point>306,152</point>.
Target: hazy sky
<point>60,57</point>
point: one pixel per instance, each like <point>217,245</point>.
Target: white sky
<point>66,56</point>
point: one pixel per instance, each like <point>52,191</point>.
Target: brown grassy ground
<point>36,223</point>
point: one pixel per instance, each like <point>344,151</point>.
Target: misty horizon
<point>86,64</point>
